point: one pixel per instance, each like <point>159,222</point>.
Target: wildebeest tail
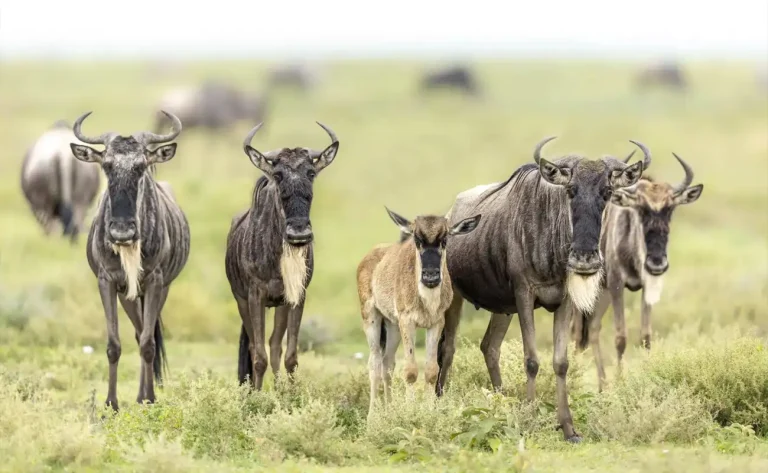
<point>244,357</point>
<point>160,363</point>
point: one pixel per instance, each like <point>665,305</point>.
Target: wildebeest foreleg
<point>390,351</point>
<point>491,346</point>
<point>108,293</point>
<point>560,364</point>
<point>256,311</point>
<point>408,334</point>
<point>431,368</point>
<point>645,323</point>
<point>134,312</point>
<point>595,324</point>
<point>152,305</point>
<point>276,339</point>
<point>447,345</point>
<point>372,321</point>
<point>620,328</point>
<point>292,344</point>
<point>524,300</point>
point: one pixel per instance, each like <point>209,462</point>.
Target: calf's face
<point>430,234</point>
<point>655,202</point>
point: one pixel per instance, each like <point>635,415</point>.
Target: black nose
<point>298,235</point>
<point>656,265</point>
<point>430,277</point>
<point>585,262</point>
<point>122,231</point>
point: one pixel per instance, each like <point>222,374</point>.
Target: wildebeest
<point>402,287</point>
<point>634,243</point>
<point>299,76</point>
<point>456,77</point>
<point>56,185</point>
<point>536,246</point>
<point>669,74</point>
<point>138,243</point>
<point>269,258</point>
<point>214,106</point>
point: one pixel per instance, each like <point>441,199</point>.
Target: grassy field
<point>698,402</point>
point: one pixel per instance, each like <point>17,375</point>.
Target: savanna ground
<point>697,402</point>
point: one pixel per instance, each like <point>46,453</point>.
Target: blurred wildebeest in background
<point>299,76</point>
<point>456,77</point>
<point>214,105</point>
<point>668,73</point>
<point>57,186</point>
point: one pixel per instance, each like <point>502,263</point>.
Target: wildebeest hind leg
<point>491,346</point>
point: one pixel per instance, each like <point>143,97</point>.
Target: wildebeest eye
<point>607,193</point>
<point>278,176</point>
<point>419,242</point>
<point>311,174</point>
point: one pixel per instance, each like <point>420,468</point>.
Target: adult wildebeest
<point>404,286</point>
<point>56,185</point>
<point>269,259</point>
<point>536,246</point>
<point>299,76</point>
<point>668,74</point>
<point>214,106</point>
<point>456,77</point>
<point>138,243</point>
<point>634,243</point>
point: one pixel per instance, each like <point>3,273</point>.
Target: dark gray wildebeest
<point>300,76</point>
<point>403,286</point>
<point>634,243</point>
<point>269,260</point>
<point>58,187</point>
<point>453,77</point>
<point>669,74</point>
<point>214,106</point>
<point>138,243</point>
<point>536,246</point>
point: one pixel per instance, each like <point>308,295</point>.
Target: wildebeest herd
<point>567,234</point>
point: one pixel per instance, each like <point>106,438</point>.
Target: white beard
<point>293,269</point>
<point>584,291</point>
<point>130,260</point>
<point>652,287</point>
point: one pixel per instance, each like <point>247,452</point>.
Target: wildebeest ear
<point>628,176</point>
<point>162,154</point>
<point>689,195</point>
<point>326,157</point>
<point>554,174</point>
<point>259,160</point>
<point>465,226</point>
<point>400,221</point>
<point>85,154</point>
<point>623,198</point>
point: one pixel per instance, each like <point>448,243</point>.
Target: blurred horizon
<point>84,29</point>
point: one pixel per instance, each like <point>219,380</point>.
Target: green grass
<point>697,403</point>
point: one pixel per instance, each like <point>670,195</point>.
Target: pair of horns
<point>314,153</point>
<point>643,148</point>
<point>145,137</point>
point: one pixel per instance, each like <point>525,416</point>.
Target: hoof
<point>112,405</point>
<point>576,438</point>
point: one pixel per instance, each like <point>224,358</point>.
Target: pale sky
<point>281,28</point>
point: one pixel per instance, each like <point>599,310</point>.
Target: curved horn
<point>537,150</point>
<point>249,137</point>
<point>152,138</point>
<point>626,160</point>
<point>646,154</point>
<point>100,140</point>
<point>688,175</point>
<point>330,132</point>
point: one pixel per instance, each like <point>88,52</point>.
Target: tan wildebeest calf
<point>403,286</point>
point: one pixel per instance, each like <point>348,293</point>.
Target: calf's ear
<point>465,226</point>
<point>402,222</point>
<point>689,195</point>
